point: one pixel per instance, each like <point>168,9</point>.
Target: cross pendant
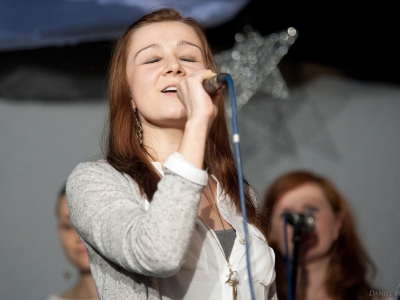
<point>233,282</point>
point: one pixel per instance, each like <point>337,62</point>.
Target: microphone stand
<point>301,224</point>
<point>297,238</point>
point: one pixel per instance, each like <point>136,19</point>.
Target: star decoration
<point>252,64</point>
<point>274,131</point>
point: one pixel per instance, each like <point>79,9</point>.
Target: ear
<point>337,226</point>
<point>130,96</point>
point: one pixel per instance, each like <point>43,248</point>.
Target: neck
<point>84,289</point>
<point>161,142</point>
<point>314,276</point>
<point>208,210</point>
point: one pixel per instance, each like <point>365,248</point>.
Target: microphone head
<point>215,83</point>
<point>305,222</point>
<point>309,222</point>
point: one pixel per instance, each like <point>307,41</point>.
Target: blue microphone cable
<point>240,176</point>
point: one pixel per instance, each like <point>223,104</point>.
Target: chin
<point>81,263</point>
<point>313,255</point>
<point>85,269</point>
<point>83,266</point>
<point>178,115</point>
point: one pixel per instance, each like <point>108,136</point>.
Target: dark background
<point>357,42</point>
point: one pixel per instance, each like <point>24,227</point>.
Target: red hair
<point>123,150</point>
<point>350,264</point>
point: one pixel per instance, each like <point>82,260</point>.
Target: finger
<point>207,74</point>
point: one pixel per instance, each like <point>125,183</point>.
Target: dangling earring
<point>139,130</point>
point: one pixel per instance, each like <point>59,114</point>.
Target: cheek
<point>139,83</point>
<point>326,232</point>
<point>66,241</point>
<point>278,235</point>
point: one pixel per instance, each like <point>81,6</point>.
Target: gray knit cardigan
<point>128,247</point>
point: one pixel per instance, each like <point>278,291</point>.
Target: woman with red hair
<point>332,262</point>
<point>160,214</point>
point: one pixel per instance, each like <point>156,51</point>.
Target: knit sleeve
<point>106,209</point>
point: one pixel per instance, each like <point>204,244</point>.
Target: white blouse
<point>205,271</point>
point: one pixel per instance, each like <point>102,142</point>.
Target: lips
<point>81,251</point>
<point>170,89</point>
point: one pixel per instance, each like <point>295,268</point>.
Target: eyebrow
<point>184,43</point>
<point>155,45</point>
<point>159,46</point>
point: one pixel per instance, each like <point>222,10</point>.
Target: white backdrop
<point>346,130</point>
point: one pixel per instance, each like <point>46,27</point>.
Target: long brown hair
<point>350,264</point>
<point>123,150</point>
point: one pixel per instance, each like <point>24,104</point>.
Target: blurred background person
<point>76,254</point>
<point>332,261</point>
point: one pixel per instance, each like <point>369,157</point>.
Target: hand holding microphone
<point>191,98</point>
<point>201,110</point>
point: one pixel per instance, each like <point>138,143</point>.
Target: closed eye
<point>152,61</point>
<point>310,209</point>
<point>188,59</point>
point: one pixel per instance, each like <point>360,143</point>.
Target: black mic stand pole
<point>297,237</point>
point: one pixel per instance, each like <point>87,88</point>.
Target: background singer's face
<point>72,245</point>
<point>161,55</point>
<point>305,198</point>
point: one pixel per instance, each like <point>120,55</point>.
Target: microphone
<point>215,83</point>
<point>305,222</point>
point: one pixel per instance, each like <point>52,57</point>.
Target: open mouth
<point>170,89</point>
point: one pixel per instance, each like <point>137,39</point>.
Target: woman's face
<point>72,245</point>
<point>159,57</point>
<point>306,198</point>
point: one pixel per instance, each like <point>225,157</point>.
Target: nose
<point>174,67</point>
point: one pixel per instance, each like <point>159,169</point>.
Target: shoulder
<point>91,178</point>
<point>94,172</point>
<point>89,167</point>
